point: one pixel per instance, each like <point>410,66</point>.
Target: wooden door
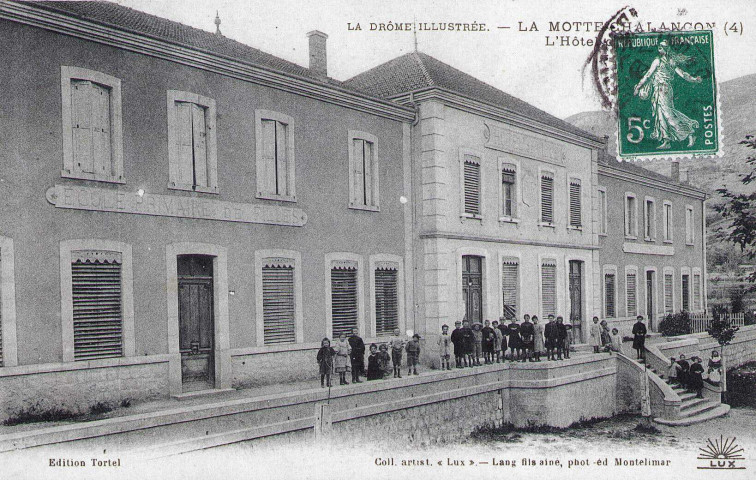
<point>576,298</point>
<point>472,287</point>
<point>196,322</point>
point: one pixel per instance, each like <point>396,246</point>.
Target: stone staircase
<point>692,409</point>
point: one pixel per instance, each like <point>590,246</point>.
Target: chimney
<point>685,176</point>
<point>318,59</point>
<point>676,171</point>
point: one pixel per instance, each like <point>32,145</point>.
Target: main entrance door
<point>576,299</point>
<point>650,280</point>
<point>196,322</point>
<point>472,287</point>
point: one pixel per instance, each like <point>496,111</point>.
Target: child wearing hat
<point>413,354</point>
<point>397,347</point>
<point>444,344</point>
<point>458,339</point>
<point>477,329</point>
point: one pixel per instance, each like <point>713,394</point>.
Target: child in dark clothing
<point>413,354</point>
<point>374,364</point>
<point>325,360</point>
<point>384,359</point>
<point>488,342</point>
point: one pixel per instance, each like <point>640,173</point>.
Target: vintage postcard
<point>377,239</point>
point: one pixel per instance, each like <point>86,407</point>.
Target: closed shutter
<point>697,292</point>
<point>1,326</point>
<point>508,190</point>
<point>602,211</point>
<point>267,174</point>
<point>358,172</point>
<point>547,199</point>
<point>101,148</point>
<point>278,304</point>
<point>686,293</point>
<point>668,298</point>
<point>282,184</point>
<point>367,155</point>
<point>472,186</point>
<point>98,331</point>
<point>185,167</point>
<point>632,295</point>
<point>609,296</point>
<point>386,301</point>
<point>199,143</point>
<point>344,309</point>
<point>630,216</point>
<point>510,287</point>
<point>548,286</point>
<point>81,123</point>
<point>667,222</point>
<point>576,215</point>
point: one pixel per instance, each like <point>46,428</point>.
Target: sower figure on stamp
<point>639,337</point>
<point>670,124</point>
<point>357,355</point>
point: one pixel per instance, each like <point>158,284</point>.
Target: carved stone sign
<point>499,137</point>
<point>107,200</point>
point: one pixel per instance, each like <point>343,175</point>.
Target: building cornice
<point>680,189</point>
<point>65,24</point>
<point>483,238</point>
<point>496,113</point>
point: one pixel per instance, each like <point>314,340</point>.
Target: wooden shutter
<point>609,296</point>
<point>1,326</point>
<point>668,296</point>
<point>367,155</point>
<point>510,287</point>
<point>548,288</point>
<point>386,301</point>
<point>602,211</point>
<point>184,122</point>
<point>279,317</point>
<point>667,222</point>
<point>547,199</point>
<point>576,215</point>
<point>282,184</point>
<point>96,308</point>
<point>199,145</point>
<point>472,186</point>
<point>630,216</point>
<point>101,148</point>
<point>632,295</point>
<point>686,293</point>
<point>344,308</point>
<point>81,123</point>
<point>358,172</point>
<point>507,190</point>
<point>267,173</point>
<point>697,292</point>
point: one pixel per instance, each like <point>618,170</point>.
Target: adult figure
<point>639,337</point>
<point>695,377</point>
<point>515,343</point>
<point>459,344</point>
<point>357,355</point>
<point>538,345</point>
<point>526,336</point>
<point>714,368</point>
<point>550,333</point>
<point>561,336</point>
<point>595,335</point>
<point>682,372</point>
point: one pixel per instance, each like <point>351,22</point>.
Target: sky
<point>518,60</point>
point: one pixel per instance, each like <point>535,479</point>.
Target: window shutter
<point>667,222</point>
<point>609,300</point>
<point>101,147</point>
<point>668,298</point>
<point>282,171</point>
<point>697,292</point>
<point>199,143</point>
<point>278,304</point>
<point>267,173</point>
<point>368,156</point>
<point>344,306</point>
<point>359,172</point>
<point>1,329</point>
<point>547,199</point>
<point>602,211</point>
<point>508,190</point>
<point>472,186</point>
<point>632,301</point>
<point>510,287</point>
<point>386,301</point>
<point>630,216</point>
<point>97,308</point>
<point>686,293</point>
<point>548,285</point>
<point>185,144</point>
<point>81,123</point>
<point>576,217</point>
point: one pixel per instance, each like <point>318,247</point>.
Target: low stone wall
<point>75,387</point>
<point>254,369</point>
<point>740,351</point>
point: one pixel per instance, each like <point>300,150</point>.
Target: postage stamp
<point>666,95</point>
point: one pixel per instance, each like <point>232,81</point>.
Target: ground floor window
<point>697,292</point>
<point>510,287</point>
<point>279,309</point>
<point>548,287</point>
<point>386,300</point>
<point>344,298</point>
<point>632,294</point>
<point>668,298</point>
<point>686,292</point>
<point>610,307</point>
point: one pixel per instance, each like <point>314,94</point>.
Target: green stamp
<point>666,95</point>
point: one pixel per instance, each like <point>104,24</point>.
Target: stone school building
<point>184,213</point>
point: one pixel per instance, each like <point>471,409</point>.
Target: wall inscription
<point>107,200</point>
<point>507,139</point>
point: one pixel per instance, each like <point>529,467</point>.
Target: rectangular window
<point>363,171</point>
<point>273,171</point>
<point>344,301</point>
<point>609,296</point>
<point>631,223</point>
<point>508,195</point>
<point>279,310</point>
<point>510,287</point>
<point>668,295</point>
<point>97,311</point>
<point>471,174</point>
<point>602,212</point>
<point>697,292</point>
<point>576,215</point>
<point>191,139</point>
<point>686,292</point>
<point>632,294</point>
<point>547,199</point>
<point>667,222</point>
<point>386,301</point>
<point>650,220</point>
<point>548,288</point>
<point>689,231</point>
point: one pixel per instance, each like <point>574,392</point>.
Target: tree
<point>723,333</point>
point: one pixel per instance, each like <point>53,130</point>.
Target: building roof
<point>417,71</point>
<point>633,167</point>
<point>135,21</point>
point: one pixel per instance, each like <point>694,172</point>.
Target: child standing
<point>498,336</point>
<point>672,370</point>
<point>397,346</point>
<point>478,338</point>
<point>342,358</point>
<point>569,340</point>
<point>413,354</point>
<point>325,360</point>
<point>384,359</point>
<point>444,343</point>
<point>488,342</point>
<point>374,364</point>
<point>595,339</point>
<point>616,341</point>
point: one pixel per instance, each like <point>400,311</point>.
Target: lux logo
<point>721,454</point>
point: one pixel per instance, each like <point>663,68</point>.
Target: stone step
<point>718,411</point>
<point>698,409</point>
<point>686,396</point>
<point>691,402</point>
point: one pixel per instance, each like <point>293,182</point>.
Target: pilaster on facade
<point>437,291</point>
<point>435,171</point>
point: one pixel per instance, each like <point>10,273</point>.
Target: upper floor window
<point>92,134</point>
<point>667,221</point>
<point>547,198</point>
<point>471,185</point>
<point>649,219</point>
<point>508,190</point>
<point>274,156</point>
<point>576,214</point>
<point>363,171</point>
<point>602,230</point>
<point>631,216</point>
<point>192,157</point>
<point>689,230</point>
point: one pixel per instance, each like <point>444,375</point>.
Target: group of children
<point>690,376</point>
<point>347,355</point>
<point>602,339</point>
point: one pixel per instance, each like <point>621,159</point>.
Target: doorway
<point>196,322</point>
<point>472,287</point>
<point>576,299</point>
<point>650,288</point>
